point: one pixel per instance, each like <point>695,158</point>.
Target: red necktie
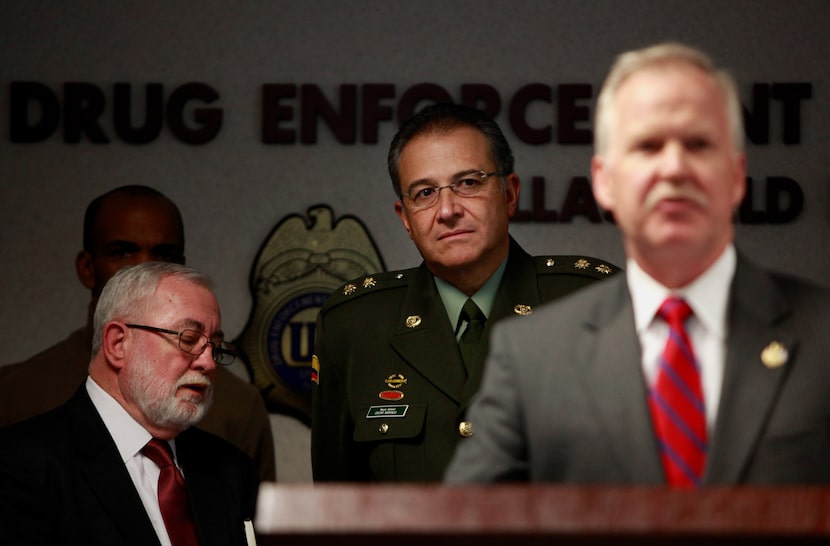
<point>676,402</point>
<point>175,509</point>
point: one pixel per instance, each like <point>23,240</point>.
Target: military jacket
<point>389,388</point>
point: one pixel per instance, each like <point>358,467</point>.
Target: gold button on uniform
<point>383,429</point>
<point>465,428</point>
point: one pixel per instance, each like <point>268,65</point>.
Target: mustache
<point>194,379</point>
<point>667,189</point>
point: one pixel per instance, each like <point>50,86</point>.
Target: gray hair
<point>127,294</point>
<point>665,54</point>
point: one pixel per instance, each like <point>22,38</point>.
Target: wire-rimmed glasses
<point>423,195</point>
<point>190,341</point>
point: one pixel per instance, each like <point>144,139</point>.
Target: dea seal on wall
<point>301,262</point>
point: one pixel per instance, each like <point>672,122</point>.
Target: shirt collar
<point>707,295</point>
<point>129,436</point>
<point>454,298</point>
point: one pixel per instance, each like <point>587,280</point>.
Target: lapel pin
<point>413,321</point>
<point>774,355</point>
<point>522,310</point>
<point>395,381</point>
<point>392,396</point>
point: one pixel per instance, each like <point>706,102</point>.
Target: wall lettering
<point>537,114</point>
<point>36,112</point>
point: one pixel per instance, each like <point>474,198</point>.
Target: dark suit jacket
<point>392,329</point>
<point>564,399</point>
<point>62,482</point>
<point>51,377</point>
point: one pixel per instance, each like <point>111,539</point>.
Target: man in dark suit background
<point>79,474</point>
<point>393,384</point>
<point>602,389</point>
<point>127,226</point>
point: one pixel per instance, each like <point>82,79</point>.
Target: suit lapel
<point>750,389</point>
<point>207,499</point>
<point>102,468</point>
<point>424,336</point>
<point>431,347</point>
<point>614,383</point>
<point>519,286</point>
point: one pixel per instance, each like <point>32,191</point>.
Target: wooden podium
<point>403,515</point>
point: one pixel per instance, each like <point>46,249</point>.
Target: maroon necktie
<point>676,402</point>
<point>175,509</point>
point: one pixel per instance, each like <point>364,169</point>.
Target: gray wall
<point>235,189</point>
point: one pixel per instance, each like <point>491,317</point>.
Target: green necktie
<point>469,342</point>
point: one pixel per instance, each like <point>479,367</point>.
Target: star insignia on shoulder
<point>349,289</point>
<point>369,282</point>
<point>582,263</point>
<point>604,269</point>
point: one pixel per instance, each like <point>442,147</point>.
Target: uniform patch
<point>395,381</point>
<point>376,412</point>
<point>315,370</point>
<point>392,396</point>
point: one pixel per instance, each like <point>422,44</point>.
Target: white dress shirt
<point>707,296</point>
<point>130,437</point>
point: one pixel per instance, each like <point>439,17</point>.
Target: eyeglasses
<point>423,196</point>
<point>190,341</point>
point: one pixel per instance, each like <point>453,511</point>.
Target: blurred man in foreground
<point>695,367</point>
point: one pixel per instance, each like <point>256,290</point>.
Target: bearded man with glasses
<point>125,226</point>
<point>98,470</point>
<point>399,355</point>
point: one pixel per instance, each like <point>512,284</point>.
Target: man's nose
<point>140,257</point>
<point>205,360</point>
<point>673,160</point>
<point>449,204</point>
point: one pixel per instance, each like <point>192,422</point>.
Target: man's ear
<point>512,184</point>
<point>401,212</point>
<point>85,269</point>
<point>739,184</point>
<point>600,184</point>
<point>114,338</point>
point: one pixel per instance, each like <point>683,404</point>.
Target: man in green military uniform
<point>399,355</point>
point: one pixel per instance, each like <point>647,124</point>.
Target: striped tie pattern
<point>676,402</point>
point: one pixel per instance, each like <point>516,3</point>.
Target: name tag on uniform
<point>386,411</point>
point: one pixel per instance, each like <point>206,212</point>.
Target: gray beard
<point>159,403</point>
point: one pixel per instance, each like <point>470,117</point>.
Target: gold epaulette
<point>369,284</point>
<point>575,265</point>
